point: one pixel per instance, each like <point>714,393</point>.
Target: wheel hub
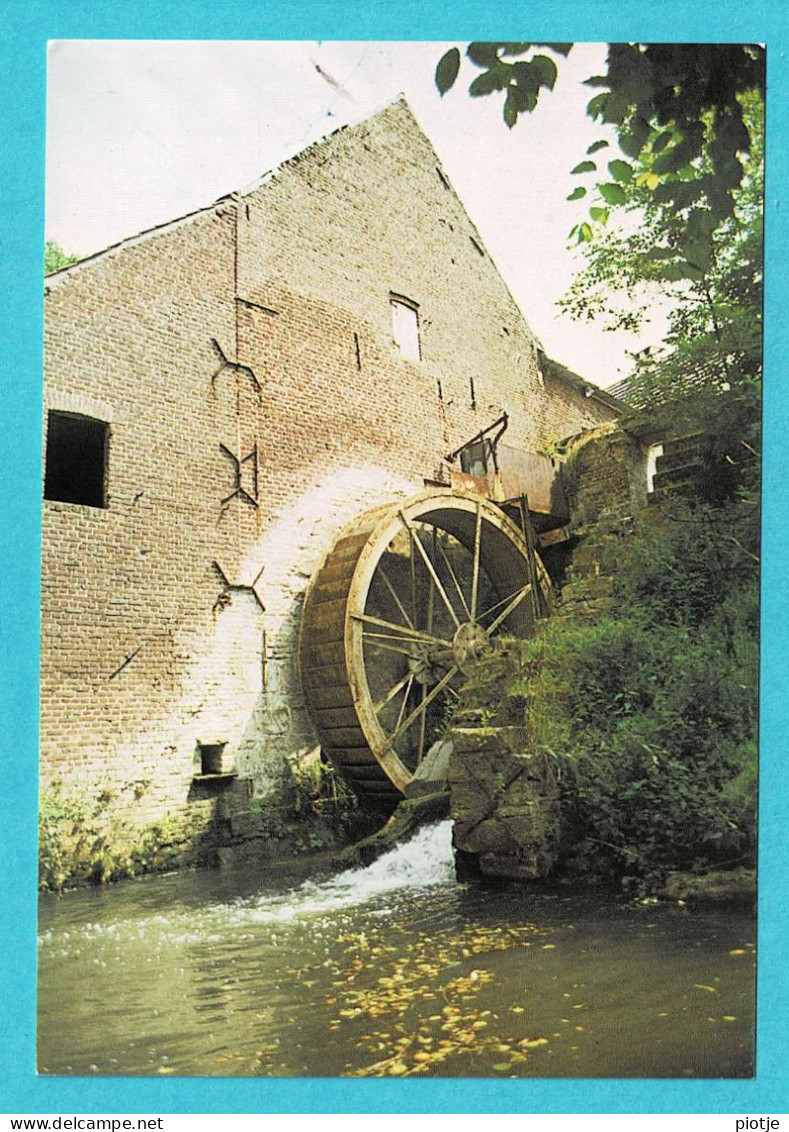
<point>469,644</point>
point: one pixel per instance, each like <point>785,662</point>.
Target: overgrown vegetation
<point>316,810</point>
<point>649,714</point>
<point>55,258</point>
<point>88,837</point>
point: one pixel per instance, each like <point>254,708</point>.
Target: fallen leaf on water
<point>703,986</point>
<point>737,951</point>
<point>548,946</point>
<point>729,1017</point>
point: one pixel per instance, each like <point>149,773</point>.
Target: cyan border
<point>26,27</point>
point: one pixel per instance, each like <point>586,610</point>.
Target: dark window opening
<point>211,757</point>
<point>474,459</point>
<point>76,460</point>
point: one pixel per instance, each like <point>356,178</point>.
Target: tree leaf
<point>576,194</point>
<point>511,109</point>
<point>621,171</point>
<point>612,193</point>
<point>584,167</point>
<point>447,70</point>
<point>483,54</point>
<point>661,141</point>
<point>560,48</point>
<point>546,70</point>
<point>601,144</point>
<point>599,215</point>
<point>487,82</point>
<point>596,106</point>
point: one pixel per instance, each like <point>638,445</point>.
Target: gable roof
<point>238,194</point>
<point>550,367</point>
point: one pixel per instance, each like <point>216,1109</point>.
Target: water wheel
<point>407,597</point>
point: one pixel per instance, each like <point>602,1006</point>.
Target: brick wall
<point>244,361</point>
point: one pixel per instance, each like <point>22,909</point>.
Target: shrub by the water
<point>650,713</point>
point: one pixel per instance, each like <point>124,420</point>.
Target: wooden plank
<point>319,655</point>
<point>338,737</point>
<point>351,756</point>
<point>556,536</point>
<point>330,696</point>
<point>326,718</point>
<point>324,676</point>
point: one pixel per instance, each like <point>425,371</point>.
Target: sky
<point>141,131</point>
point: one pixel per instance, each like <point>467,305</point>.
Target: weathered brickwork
<point>244,362</point>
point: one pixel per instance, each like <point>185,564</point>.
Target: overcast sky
<point>140,132</point>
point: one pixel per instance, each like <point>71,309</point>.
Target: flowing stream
<point>391,970</point>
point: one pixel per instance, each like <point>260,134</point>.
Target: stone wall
<point>504,799</point>
<point>244,362</point>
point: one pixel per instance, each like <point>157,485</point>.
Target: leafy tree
<point>707,375</point>
<point>55,257</point>
<point>676,110</point>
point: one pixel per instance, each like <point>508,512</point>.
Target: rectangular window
<point>474,459</point>
<point>405,327</point>
<point>76,459</point>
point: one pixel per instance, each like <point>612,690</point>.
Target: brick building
<point>223,393</point>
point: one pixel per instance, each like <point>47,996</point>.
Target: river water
<point>393,970</point>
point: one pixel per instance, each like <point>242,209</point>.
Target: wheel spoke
<point>431,570</point>
<point>376,641</point>
<point>405,700</point>
<point>513,604</point>
<point>455,581</point>
<point>412,569</point>
<point>475,564</point>
<point>402,631</point>
<point>422,727</point>
<point>390,587</point>
<point>390,695</point>
<point>428,699</point>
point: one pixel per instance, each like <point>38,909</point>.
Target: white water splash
<point>423,861</point>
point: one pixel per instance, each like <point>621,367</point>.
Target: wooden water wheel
<point>409,594</point>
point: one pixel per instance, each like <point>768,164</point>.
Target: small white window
<point>405,327</point>
<point>653,454</point>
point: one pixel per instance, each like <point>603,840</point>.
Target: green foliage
<point>676,110</point>
<point>55,258</point>
<point>323,812</point>
<point>87,836</point>
<point>650,712</point>
<point>709,274</point>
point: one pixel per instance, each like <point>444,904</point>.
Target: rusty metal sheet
<point>534,475</point>
<point>461,481</point>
